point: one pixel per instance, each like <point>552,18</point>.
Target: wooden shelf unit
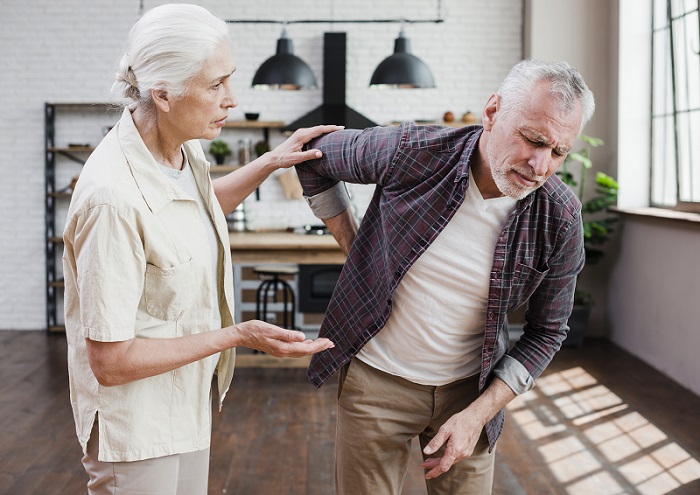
<point>54,156</point>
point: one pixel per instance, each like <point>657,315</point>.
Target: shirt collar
<point>468,154</point>
<point>157,190</point>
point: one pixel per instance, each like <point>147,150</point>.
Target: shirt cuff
<point>329,203</point>
<point>514,374</point>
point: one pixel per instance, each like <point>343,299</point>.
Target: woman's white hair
<point>166,49</point>
<point>568,86</point>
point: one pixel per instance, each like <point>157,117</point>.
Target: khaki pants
<point>180,474</point>
<point>379,414</point>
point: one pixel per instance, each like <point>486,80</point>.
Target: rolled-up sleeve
<point>330,202</point>
<point>514,374</point>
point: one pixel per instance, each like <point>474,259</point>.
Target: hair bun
<point>128,78</point>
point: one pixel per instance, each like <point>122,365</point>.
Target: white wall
<point>66,52</point>
<point>654,293</point>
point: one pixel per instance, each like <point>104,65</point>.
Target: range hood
<point>333,110</point>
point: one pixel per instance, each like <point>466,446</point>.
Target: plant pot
<point>220,160</point>
<point>578,322</point>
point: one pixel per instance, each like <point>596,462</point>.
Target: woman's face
<point>203,111</point>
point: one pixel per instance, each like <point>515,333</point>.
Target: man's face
<point>528,144</point>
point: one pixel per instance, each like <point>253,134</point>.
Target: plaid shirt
<point>421,173</point>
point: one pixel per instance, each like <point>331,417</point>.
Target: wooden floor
<point>599,422</point>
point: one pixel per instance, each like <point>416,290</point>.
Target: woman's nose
<point>230,101</point>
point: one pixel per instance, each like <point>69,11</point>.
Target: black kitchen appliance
<point>316,285</point>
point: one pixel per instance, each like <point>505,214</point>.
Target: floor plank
<point>598,422</point>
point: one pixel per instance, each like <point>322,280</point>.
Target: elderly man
<point>465,225</point>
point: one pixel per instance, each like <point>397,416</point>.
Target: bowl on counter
<point>251,116</point>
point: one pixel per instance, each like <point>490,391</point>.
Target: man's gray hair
<point>568,86</point>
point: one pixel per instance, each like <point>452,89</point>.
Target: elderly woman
<point>147,267</point>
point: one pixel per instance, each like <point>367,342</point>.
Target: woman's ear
<point>161,99</point>
<point>490,110</point>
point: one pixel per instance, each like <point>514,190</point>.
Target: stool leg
<point>261,303</point>
<point>275,284</point>
<point>258,301</point>
<point>265,298</point>
<point>289,300</point>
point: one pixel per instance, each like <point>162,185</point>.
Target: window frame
<point>674,173</point>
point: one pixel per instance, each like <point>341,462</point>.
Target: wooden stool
<point>269,287</point>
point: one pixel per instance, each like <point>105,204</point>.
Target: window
<point>675,133</point>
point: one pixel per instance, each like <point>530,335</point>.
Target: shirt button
<point>490,315</point>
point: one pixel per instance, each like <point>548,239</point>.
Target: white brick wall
<point>66,52</point>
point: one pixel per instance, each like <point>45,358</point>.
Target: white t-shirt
<point>435,332</point>
<point>184,179</point>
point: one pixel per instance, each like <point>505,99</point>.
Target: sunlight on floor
<point>618,447</point>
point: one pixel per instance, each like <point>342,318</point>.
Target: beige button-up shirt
<point>137,264</point>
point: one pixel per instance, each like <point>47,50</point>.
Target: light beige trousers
<point>378,416</point>
<point>179,474</point>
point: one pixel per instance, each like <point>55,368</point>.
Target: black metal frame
<point>52,240</point>
<point>50,215</point>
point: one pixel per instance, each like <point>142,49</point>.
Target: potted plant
<point>262,147</point>
<point>597,225</point>
<point>219,150</point>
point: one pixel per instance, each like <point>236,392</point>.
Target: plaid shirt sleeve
<point>549,308</point>
<point>360,157</point>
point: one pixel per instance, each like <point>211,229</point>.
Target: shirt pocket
<point>168,291</point>
<point>525,280</point>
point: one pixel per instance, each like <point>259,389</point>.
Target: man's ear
<point>161,99</point>
<point>490,110</point>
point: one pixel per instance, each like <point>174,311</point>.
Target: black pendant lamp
<point>402,69</point>
<point>284,70</point>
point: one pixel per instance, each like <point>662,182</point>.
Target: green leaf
<point>579,157</point>
<point>591,141</point>
<point>604,180</point>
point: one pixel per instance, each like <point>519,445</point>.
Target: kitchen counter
<point>284,247</point>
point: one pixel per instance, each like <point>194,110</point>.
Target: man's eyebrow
<point>540,138</point>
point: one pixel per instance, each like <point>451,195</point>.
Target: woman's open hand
<point>278,342</point>
<point>290,152</point>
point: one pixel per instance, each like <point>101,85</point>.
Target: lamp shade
<point>284,70</point>
<point>402,69</point>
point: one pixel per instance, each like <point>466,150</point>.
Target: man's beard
<point>512,188</point>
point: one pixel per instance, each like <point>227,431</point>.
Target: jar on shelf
<point>236,218</point>
<point>245,151</point>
